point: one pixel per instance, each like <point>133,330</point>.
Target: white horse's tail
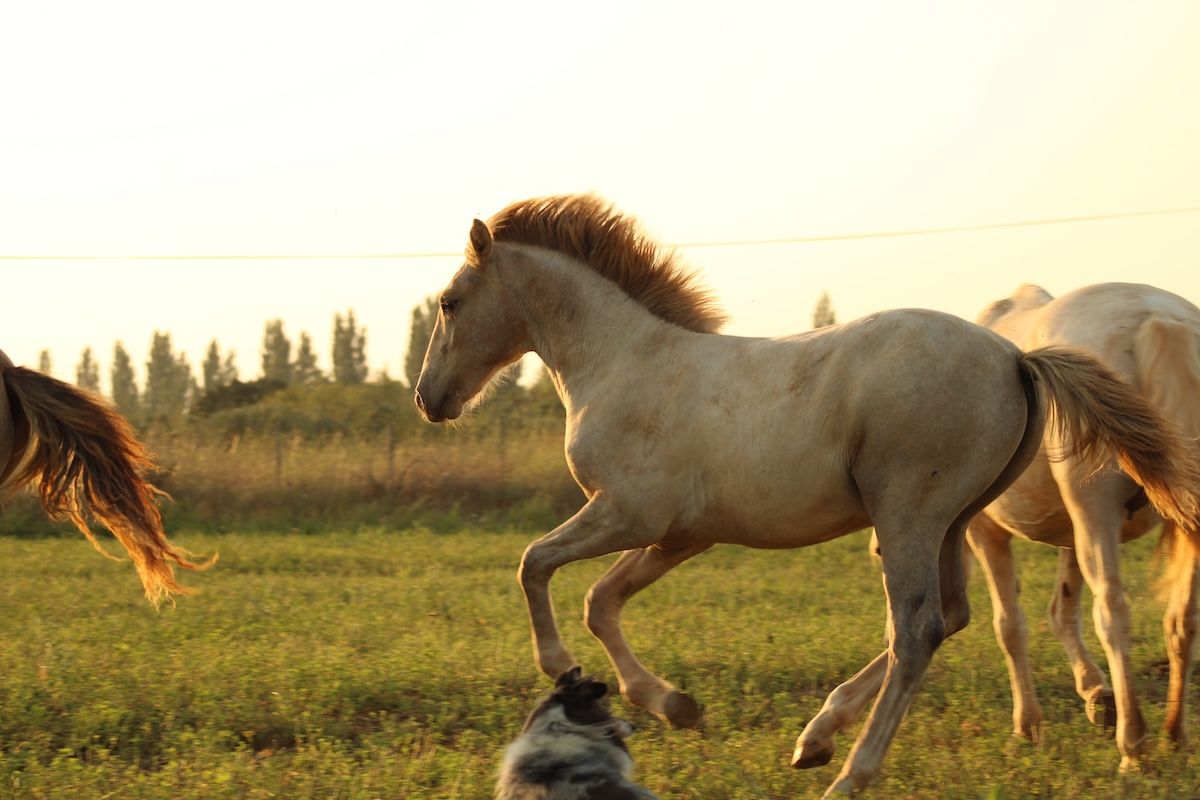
<point>1097,416</point>
<point>1167,354</point>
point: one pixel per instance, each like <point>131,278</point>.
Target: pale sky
<point>227,128</point>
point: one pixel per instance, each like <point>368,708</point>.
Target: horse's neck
<point>581,325</point>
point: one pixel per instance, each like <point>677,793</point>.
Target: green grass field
<point>398,665</point>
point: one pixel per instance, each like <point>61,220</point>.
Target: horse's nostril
<point>420,401</point>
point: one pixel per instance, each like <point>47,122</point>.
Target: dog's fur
<point>571,748</point>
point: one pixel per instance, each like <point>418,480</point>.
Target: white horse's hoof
<point>842,787</point>
<point>809,754</point>
<point>682,711</point>
<point>1130,765</point>
<point>1102,708</point>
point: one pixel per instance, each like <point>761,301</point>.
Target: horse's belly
<point>794,514</point>
<point>1033,508</point>
<point>1032,518</point>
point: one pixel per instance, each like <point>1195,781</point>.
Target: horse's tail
<point>1167,355</point>
<point>84,459</point>
<point>1097,416</point>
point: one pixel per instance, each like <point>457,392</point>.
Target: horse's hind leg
<point>1090,683</point>
<point>1096,516</point>
<point>993,548</point>
<point>915,630</point>
<point>634,571</point>
<point>1179,628</point>
<point>814,747</point>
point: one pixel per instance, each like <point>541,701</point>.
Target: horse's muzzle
<point>424,409</point>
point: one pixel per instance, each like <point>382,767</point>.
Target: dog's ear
<point>591,690</point>
<point>569,678</point>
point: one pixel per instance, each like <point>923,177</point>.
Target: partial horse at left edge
<point>83,460</point>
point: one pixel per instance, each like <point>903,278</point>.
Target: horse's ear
<point>481,242</point>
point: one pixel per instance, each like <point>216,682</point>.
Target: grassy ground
<point>397,665</point>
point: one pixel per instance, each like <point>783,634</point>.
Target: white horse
<point>1152,339</point>
<point>680,439</point>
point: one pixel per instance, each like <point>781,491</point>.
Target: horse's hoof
<point>1130,765</point>
<point>810,754</point>
<point>840,788</point>
<point>682,711</point>
<point>1176,741</point>
<point>1029,731</point>
<point>1102,708</point>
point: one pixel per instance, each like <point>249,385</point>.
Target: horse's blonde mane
<point>588,229</point>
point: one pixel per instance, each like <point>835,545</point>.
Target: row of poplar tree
<point>171,388</point>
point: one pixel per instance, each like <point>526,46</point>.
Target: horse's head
<point>477,333</point>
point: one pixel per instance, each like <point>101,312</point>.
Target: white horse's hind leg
<point>814,747</point>
<point>1090,683</point>
<point>842,707</point>
<point>1179,628</point>
<point>1097,523</point>
<point>916,629</point>
<point>993,549</point>
<point>634,571</point>
<point>595,530</point>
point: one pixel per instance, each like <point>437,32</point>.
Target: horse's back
<point>1103,319</point>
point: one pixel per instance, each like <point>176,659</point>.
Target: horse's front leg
<point>634,571</point>
<point>993,547</point>
<point>596,530</point>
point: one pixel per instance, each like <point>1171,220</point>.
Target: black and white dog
<point>571,748</point>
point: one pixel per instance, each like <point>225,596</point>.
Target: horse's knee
<point>534,567</point>
<point>1010,627</point>
<point>1111,609</point>
<point>1180,627</point>
<point>597,613</point>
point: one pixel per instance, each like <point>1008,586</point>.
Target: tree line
<point>171,389</point>
<point>290,392</point>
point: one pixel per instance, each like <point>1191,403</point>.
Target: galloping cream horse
<point>1152,339</point>
<point>909,420</point>
<point>84,460</point>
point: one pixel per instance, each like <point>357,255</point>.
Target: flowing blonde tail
<point>1167,354</point>
<point>85,460</point>
<point>1097,416</point>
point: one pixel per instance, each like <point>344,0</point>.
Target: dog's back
<point>571,748</point>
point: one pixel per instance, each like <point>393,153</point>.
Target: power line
<point>842,237</point>
<point>836,237</point>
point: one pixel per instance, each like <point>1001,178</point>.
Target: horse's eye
<point>448,306</point>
